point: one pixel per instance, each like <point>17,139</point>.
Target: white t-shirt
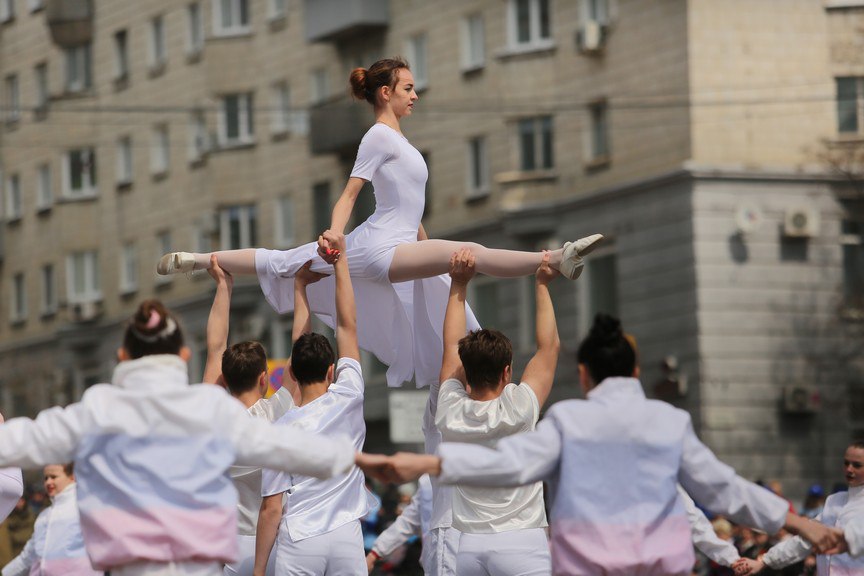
<point>461,419</point>
<point>314,506</point>
<point>247,479</point>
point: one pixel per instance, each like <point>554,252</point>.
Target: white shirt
<point>839,511</point>
<point>461,419</point>
<point>56,547</point>
<point>413,521</point>
<point>612,463</point>
<point>11,488</point>
<point>855,537</point>
<point>314,506</point>
<point>247,479</point>
<point>442,494</point>
<point>705,539</point>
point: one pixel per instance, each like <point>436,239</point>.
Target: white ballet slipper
<point>571,260</point>
<point>175,263</point>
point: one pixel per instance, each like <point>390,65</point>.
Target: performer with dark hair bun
<point>612,462</point>
<point>399,321</point>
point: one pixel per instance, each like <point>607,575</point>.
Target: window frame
<point>194,29</point>
<point>280,123</point>
<point>245,120</point>
<point>129,281</point>
<point>40,81</point>
<point>417,53</point>
<point>285,222</point>
<point>247,217</point>
<point>478,183</point>
<point>89,181</point>
<point>79,59</point>
<point>535,39</point>
<point>236,9</point>
<point>18,298</point>
<point>471,61</point>
<point>160,150</point>
<point>12,90</point>
<point>44,187</point>
<point>92,291</point>
<point>542,157</point>
<point>124,167</point>
<point>48,290</point>
<point>13,201</point>
<point>198,144</point>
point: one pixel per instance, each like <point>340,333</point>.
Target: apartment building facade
<point>705,139</point>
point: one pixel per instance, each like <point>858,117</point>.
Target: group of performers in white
<point>171,478</point>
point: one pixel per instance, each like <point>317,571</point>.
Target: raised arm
<point>346,308</point>
<point>302,312</point>
<point>461,272</point>
<point>344,207</point>
<point>398,533</point>
<point>540,372</point>
<point>217,322</point>
<point>52,437</point>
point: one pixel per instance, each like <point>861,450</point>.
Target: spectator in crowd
<point>814,502</point>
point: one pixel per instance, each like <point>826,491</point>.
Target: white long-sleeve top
<point>414,521</point>
<point>854,533</point>
<point>442,495</point>
<point>705,539</point>
<point>56,547</point>
<point>152,455</point>
<point>839,511</point>
<point>11,488</point>
<point>612,463</point>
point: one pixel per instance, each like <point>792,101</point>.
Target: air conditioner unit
<point>801,399</point>
<point>86,311</point>
<point>801,222</point>
<point>590,37</point>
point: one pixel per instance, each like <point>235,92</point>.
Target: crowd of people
<point>150,475</point>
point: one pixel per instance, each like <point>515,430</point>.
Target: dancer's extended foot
<point>571,260</point>
<point>175,263</point>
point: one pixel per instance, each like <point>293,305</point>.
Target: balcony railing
<point>70,21</point>
<point>338,126</point>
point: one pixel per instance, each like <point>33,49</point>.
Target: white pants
<point>440,546</point>
<point>169,569</point>
<point>246,559</point>
<point>512,553</point>
<point>336,553</point>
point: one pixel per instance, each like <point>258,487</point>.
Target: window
<point>599,288</point>
<point>40,73</point>
<point>128,268</point>
<point>13,99</point>
<point>236,122</point>
<point>163,246</point>
<point>535,143</point>
<point>44,193</point>
<point>285,222</point>
<point>198,141</point>
<point>485,299</point>
<point>319,86</point>
<point>529,24</point>
<point>276,9</point>
<point>78,69</point>
<point>238,227</point>
<point>596,11</point>
<point>281,119</point>
<point>230,17</point>
<point>417,59</point>
<point>852,241</point>
<point>49,290</point>
<point>320,208</point>
<point>82,277</point>
<point>159,150</point>
<point>202,238</point>
<point>121,55</point>
<point>473,42</point>
<point>478,167</point>
<point>13,198</point>
<point>195,31</point>
<point>18,305</point>
<point>599,147</point>
<point>124,160</point>
<point>849,104</point>
<point>7,10</point>
<point>156,57</point>
<point>79,173</point>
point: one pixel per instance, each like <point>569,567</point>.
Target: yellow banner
<point>276,371</point>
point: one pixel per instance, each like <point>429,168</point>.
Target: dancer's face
<point>853,466</point>
<point>403,96</point>
<point>56,480</point>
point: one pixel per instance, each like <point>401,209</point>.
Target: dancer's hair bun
<point>358,83</point>
<point>606,329</point>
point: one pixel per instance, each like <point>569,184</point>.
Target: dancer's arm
<point>704,537</point>
<point>21,564</point>
<point>398,533</point>
<point>217,322</point>
<point>421,233</point>
<point>302,312</point>
<point>461,272</point>
<point>11,488</point>
<point>52,437</point>
<point>346,308</point>
<point>269,516</point>
<point>540,371</point>
<point>345,206</point>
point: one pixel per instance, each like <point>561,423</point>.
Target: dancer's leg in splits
<point>413,261</point>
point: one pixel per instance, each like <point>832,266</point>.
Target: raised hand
<point>306,276</point>
<point>462,266</point>
<point>842,546</point>
<point>822,537</point>
<point>545,273</point>
<point>408,466</point>
<point>375,465</point>
<point>326,250</point>
<point>218,274</point>
<point>745,566</point>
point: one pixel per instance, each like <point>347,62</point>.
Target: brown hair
<point>69,469</point>
<point>857,444</point>
<point>365,83</point>
<point>242,364</point>
<point>152,330</point>
<point>484,355</point>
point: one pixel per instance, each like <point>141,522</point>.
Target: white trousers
<point>336,553</point>
<point>440,546</point>
<point>169,569</point>
<point>511,553</point>
<point>246,559</point>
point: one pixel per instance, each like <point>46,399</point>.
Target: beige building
<point>692,133</point>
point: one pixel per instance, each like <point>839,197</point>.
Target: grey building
<point>714,143</point>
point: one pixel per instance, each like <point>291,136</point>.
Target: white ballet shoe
<point>175,263</point>
<point>571,260</point>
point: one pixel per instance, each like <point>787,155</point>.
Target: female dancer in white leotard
<point>399,321</point>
